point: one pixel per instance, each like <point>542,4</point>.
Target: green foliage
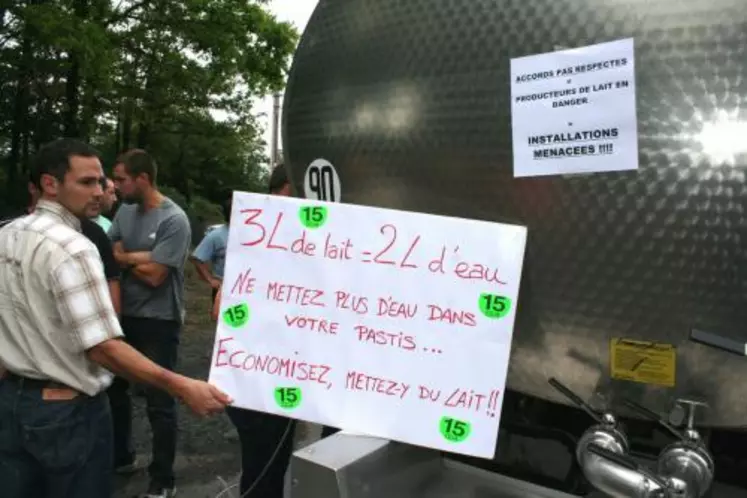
<point>143,73</point>
<point>205,212</point>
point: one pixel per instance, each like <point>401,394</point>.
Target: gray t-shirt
<point>165,232</point>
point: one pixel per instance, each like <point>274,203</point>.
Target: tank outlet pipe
<point>685,468</point>
<point>617,475</point>
<point>602,453</point>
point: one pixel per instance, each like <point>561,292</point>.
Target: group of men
<point>71,289</point>
<point>73,284</point>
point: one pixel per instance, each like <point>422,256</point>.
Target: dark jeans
<point>53,449</point>
<point>263,437</point>
<point>159,341</point>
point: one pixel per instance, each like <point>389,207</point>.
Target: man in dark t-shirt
<point>100,239</point>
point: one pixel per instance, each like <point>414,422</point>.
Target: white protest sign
<point>380,322</point>
<point>574,111</point>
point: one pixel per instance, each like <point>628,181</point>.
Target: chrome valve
<point>687,464</point>
<point>685,468</point>
<point>602,453</point>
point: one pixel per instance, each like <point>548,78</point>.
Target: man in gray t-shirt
<point>151,237</point>
<point>164,232</point>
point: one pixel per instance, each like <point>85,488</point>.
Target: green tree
<point>142,73</point>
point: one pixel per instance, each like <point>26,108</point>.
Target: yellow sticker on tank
<point>643,361</point>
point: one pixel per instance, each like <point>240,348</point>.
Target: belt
<point>50,389</point>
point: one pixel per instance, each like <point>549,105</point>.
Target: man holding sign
<point>60,340</point>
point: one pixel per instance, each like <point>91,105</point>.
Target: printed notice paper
<point>574,111</point>
<point>386,323</point>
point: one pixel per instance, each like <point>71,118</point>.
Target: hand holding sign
<point>381,322</point>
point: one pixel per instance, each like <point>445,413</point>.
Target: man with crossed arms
<point>151,236</point>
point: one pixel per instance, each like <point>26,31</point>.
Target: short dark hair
<point>53,158</point>
<point>278,178</point>
<point>136,162</point>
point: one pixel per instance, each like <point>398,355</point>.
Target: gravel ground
<point>208,448</point>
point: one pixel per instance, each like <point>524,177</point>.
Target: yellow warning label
<point>643,361</point>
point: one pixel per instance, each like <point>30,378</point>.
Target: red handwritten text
<point>467,399</point>
<point>437,265</point>
<point>464,269</point>
<point>251,220</point>
<point>470,400</point>
<point>295,294</point>
<point>244,283</point>
<point>454,317</point>
<point>384,258</point>
<point>389,307</point>
<point>313,324</point>
<point>335,251</point>
<point>384,338</point>
<point>389,254</point>
<point>358,381</point>
<point>477,271</point>
<point>302,246</point>
<point>346,301</point>
<point>270,364</point>
<point>432,395</point>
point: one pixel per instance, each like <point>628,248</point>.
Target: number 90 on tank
<point>321,182</point>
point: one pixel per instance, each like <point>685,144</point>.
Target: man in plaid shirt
<point>60,341</point>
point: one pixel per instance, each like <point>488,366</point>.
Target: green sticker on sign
<point>454,430</point>
<point>288,398</point>
<point>237,315</point>
<point>313,216</point>
<point>494,306</point>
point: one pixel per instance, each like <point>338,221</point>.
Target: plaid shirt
<point>54,300</point>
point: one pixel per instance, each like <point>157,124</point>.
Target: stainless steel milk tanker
<point>409,101</point>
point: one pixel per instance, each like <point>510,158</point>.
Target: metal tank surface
<point>410,102</point>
